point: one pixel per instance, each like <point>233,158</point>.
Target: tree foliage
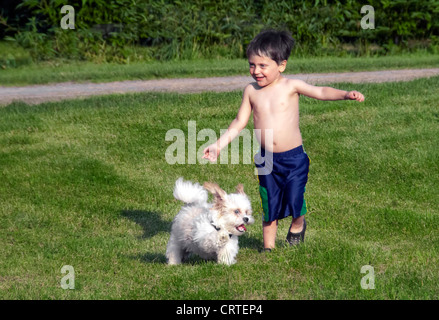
<point>111,29</point>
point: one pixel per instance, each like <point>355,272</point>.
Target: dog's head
<point>234,209</point>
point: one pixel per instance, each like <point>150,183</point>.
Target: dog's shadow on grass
<point>152,223</point>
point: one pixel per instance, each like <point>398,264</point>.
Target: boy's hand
<point>211,153</point>
<point>354,95</point>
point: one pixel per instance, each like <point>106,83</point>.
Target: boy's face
<point>265,70</point>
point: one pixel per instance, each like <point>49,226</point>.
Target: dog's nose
<point>245,219</point>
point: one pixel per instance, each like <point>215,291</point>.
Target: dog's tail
<point>189,192</point>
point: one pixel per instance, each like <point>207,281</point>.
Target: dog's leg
<point>226,257</point>
<point>223,238</point>
<point>227,254</point>
<point>174,252</point>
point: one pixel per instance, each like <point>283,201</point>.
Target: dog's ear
<point>220,196</point>
<point>240,189</point>
<point>215,189</point>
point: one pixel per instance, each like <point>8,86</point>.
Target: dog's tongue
<point>241,228</point>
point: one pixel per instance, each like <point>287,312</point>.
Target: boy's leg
<point>297,224</point>
<point>269,230</point>
<point>296,235</point>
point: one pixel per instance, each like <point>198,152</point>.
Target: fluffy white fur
<point>209,230</point>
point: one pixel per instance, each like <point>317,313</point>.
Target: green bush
<point>13,56</point>
<point>110,30</point>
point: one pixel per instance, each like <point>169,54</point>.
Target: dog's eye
<point>237,211</point>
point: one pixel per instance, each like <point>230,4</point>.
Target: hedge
<point>209,28</point>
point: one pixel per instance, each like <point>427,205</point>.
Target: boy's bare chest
<point>274,104</point>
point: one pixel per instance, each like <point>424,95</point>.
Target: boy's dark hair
<point>276,45</point>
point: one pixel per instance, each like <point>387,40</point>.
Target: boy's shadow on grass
<point>152,224</point>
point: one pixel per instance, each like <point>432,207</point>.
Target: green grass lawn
<point>85,183</point>
<point>62,71</point>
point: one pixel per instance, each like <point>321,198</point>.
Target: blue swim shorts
<point>282,185</point>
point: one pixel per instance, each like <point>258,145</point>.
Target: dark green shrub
<point>109,30</point>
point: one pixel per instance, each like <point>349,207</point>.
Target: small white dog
<point>209,230</point>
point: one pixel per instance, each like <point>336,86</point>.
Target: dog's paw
<point>225,257</point>
<point>223,238</point>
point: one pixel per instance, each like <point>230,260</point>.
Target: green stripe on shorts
<point>303,211</point>
<point>264,200</point>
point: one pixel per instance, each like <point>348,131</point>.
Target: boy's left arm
<point>326,93</point>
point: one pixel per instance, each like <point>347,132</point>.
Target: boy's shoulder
<point>251,86</point>
<point>296,85</point>
<point>250,89</point>
<point>294,82</point>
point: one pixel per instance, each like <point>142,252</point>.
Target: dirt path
<point>68,90</point>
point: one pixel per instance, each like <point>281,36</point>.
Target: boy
<point>274,101</point>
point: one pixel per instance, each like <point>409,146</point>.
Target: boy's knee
<point>269,223</point>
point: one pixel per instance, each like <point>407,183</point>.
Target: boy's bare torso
<point>276,107</point>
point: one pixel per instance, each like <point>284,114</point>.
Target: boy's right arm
<point>212,152</point>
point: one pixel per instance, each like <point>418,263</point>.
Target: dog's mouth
<point>241,228</point>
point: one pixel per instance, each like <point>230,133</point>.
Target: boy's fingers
<point>208,155</point>
<point>357,96</point>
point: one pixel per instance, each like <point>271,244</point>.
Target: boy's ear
<point>282,66</point>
